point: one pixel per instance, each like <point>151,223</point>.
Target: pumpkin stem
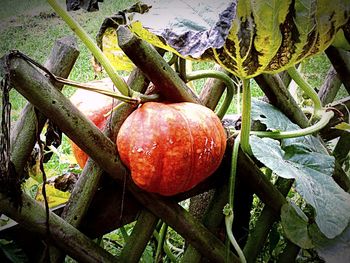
<point>295,75</point>
<point>218,75</point>
<point>326,116</point>
<point>89,43</point>
<point>228,209</point>
<point>246,108</point>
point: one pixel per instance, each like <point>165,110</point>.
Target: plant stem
<point>218,75</point>
<point>295,75</point>
<point>233,172</point>
<point>88,87</point>
<point>325,118</point>
<point>228,223</point>
<point>246,108</point>
<point>98,54</point>
<point>162,236</point>
<point>229,215</point>
<point>166,248</point>
<point>182,69</point>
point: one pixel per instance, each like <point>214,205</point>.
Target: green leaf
<point>275,120</point>
<point>245,37</point>
<point>331,250</point>
<point>272,117</point>
<point>295,225</point>
<point>331,203</point>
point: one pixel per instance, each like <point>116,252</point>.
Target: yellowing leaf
<point>113,52</point>
<point>55,197</point>
<point>343,126</point>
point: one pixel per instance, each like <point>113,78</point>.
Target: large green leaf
<point>264,36</point>
<point>295,225</point>
<point>331,203</point>
<point>331,250</point>
<point>272,117</point>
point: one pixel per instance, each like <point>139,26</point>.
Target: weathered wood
<point>342,148</point>
<point>68,117</point>
<point>138,240</point>
<point>258,235</point>
<point>213,90</point>
<point>32,216</point>
<point>340,60</point>
<point>330,87</point>
<point>39,90</point>
<point>146,58</point>
<point>109,212</point>
<point>280,97</point>
<point>23,136</point>
<point>88,181</point>
<point>87,136</point>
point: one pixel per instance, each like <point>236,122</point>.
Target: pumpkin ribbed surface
<point>95,107</point>
<point>171,147</point>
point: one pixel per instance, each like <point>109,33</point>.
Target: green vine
<point>325,118</point>
<point>228,209</point>
<point>246,108</point>
<point>218,75</point>
<point>167,250</point>
<point>123,88</point>
<point>161,240</point>
<point>309,91</point>
<point>90,44</point>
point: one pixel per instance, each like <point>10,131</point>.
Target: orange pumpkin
<point>95,107</point>
<point>171,147</point>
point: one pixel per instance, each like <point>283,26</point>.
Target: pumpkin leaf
<point>245,37</point>
<point>275,120</point>
<point>114,53</point>
<point>331,250</point>
<point>343,126</point>
<point>331,203</point>
<point>54,196</point>
<point>189,27</point>
<point>295,225</point>
<point>272,117</point>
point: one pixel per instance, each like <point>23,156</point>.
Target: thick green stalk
<point>246,107</point>
<point>166,248</point>
<point>228,210</point>
<point>162,236</point>
<point>90,44</point>
<point>295,75</point>
<point>325,118</point>
<point>218,75</point>
<point>233,172</point>
<point>228,223</point>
